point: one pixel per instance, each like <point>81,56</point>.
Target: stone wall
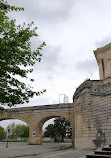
<point>92,102</point>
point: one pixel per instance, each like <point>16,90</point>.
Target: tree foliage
<point>50,131</point>
<point>19,131</point>
<point>2,134</point>
<point>16,57</point>
<point>60,128</point>
<point>10,130</point>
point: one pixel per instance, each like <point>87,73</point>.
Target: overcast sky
<point>72,29</point>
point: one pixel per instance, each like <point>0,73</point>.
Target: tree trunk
<point>55,139</point>
<point>62,138</point>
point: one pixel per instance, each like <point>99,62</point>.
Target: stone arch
<point>46,118</point>
<point>41,122</point>
<point>17,118</point>
<point>36,117</point>
<point>14,120</point>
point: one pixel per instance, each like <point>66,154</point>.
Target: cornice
<point>102,49</point>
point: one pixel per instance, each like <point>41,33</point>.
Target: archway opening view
<point>57,130</point>
<point>14,130</point>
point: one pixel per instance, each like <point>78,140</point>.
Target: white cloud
<point>104,41</point>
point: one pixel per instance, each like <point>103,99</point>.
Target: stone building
<point>92,105</point>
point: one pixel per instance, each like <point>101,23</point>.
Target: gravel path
<point>46,150</point>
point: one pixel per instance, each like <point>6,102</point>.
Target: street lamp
<point>8,133</point>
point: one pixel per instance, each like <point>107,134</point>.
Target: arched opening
<point>45,125</point>
<point>15,130</point>
<point>60,127</point>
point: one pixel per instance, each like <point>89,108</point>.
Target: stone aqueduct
<point>36,116</point>
<point>89,114</point>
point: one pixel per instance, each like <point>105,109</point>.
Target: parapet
<point>96,88</point>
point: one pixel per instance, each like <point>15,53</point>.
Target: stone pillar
<point>35,135</point>
<point>73,136</point>
<point>101,68</point>
<point>72,122</point>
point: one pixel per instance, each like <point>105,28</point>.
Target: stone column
<point>35,135</point>
<point>101,68</point>
<point>72,121</point>
<point>73,136</point>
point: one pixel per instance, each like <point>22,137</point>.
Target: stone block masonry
<point>36,116</point>
<point>92,103</point>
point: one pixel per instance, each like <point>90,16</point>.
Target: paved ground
<point>47,150</point>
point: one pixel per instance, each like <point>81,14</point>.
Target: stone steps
<point>106,149</point>
<point>98,156</point>
<point>102,153</point>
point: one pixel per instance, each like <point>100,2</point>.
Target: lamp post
<point>8,132</point>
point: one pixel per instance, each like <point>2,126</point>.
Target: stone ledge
<point>97,87</point>
<point>41,107</point>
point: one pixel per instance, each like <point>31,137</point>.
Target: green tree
<point>50,131</point>
<point>17,131</point>
<point>60,128</point>
<point>63,127</point>
<point>10,130</point>
<point>2,134</point>
<point>21,131</point>
<point>26,131</point>
<point>16,58</point>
